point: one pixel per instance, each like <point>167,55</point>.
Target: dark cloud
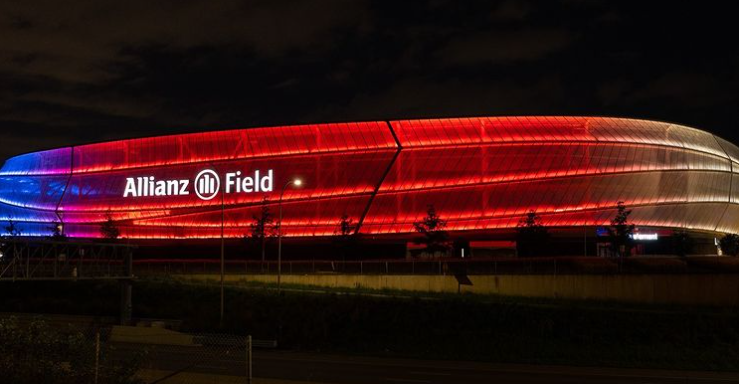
<point>503,47</point>
<point>696,90</point>
<point>78,43</point>
<point>101,70</point>
<point>419,97</point>
<point>511,10</point>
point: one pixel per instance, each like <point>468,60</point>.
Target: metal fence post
<point>97,354</point>
<point>126,288</point>
<point>15,263</point>
<point>248,359</point>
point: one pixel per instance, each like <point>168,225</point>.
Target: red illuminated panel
<point>98,217</point>
<point>231,145</point>
<point>319,217</point>
<point>458,131</point>
<point>531,129</point>
<point>325,175</point>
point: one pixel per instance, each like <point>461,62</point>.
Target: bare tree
<point>262,229</point>
<point>431,227</point>
<point>532,236</point>
<point>729,244</point>
<point>11,230</point>
<point>346,235</point>
<point>621,232</point>
<point>108,229</point>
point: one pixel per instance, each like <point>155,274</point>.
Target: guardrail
<point>446,266</point>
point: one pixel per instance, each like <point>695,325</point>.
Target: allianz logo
<point>206,184</point>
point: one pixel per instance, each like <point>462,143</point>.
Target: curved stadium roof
<point>479,173</point>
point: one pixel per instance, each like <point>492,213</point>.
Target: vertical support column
<point>223,257</point>
<point>248,360</point>
<point>126,288</point>
<point>28,262</point>
<point>97,355</point>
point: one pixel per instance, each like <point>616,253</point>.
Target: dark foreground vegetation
<point>37,352</point>
<point>448,327</point>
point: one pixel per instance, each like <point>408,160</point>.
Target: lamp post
<point>297,183</point>
<point>223,259</point>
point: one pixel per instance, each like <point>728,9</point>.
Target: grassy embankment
<point>469,327</point>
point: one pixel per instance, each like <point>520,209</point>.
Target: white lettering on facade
<point>247,184</point>
<point>149,186</point>
<point>206,184</point>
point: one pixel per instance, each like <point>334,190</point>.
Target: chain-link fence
<point>40,350</point>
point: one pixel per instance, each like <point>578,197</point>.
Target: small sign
<point>645,236</point>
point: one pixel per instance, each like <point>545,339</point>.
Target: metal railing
<point>41,259</point>
<point>444,266</point>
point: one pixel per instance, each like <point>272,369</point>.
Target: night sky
<point>72,73</point>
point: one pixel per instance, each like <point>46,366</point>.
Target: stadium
<point>482,175</point>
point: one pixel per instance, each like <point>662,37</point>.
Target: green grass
<point>591,304</point>
<point>396,323</point>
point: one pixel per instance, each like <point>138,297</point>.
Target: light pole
<point>223,260</point>
<point>297,183</point>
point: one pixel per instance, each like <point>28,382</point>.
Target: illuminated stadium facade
<point>482,175</point>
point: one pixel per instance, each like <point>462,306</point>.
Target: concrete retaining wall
<point>683,289</point>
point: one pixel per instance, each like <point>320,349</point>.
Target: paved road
<point>333,369</point>
<point>365,370</point>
